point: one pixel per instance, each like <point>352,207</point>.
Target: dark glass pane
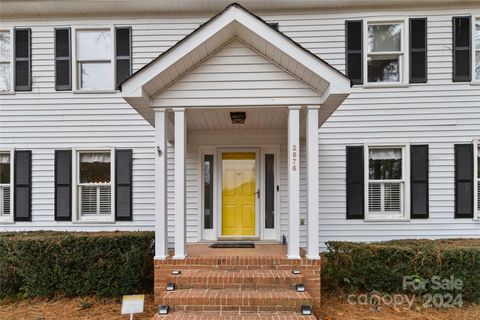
<point>383,69</point>
<point>123,70</point>
<point>462,32</point>
<point>269,191</point>
<point>4,173</point>
<point>385,164</point>
<point>95,168</point>
<point>208,191</point>
<point>354,35</point>
<point>462,63</point>
<point>418,65</point>
<point>418,33</point>
<point>62,72</point>
<point>62,43</point>
<point>22,73</point>
<point>22,43</point>
<point>123,42</point>
<point>478,165</point>
<point>355,67</point>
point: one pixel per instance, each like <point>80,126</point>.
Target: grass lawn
<point>334,308</point>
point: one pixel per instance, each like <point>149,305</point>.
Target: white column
<point>180,150</point>
<point>294,182</point>
<point>312,182</point>
<point>161,226</point>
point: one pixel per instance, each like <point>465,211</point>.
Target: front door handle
<point>258,193</point>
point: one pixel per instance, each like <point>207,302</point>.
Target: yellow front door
<point>238,194</point>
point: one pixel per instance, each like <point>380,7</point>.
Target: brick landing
<point>237,284</point>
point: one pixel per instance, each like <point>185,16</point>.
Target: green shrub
<point>106,264</point>
<point>361,267</point>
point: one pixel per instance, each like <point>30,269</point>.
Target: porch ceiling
<point>144,90</point>
<point>256,119</point>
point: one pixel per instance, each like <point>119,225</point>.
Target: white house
<point>308,121</point>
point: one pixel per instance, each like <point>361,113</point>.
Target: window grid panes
<point>385,184</point>
<point>5,184</point>
<point>384,52</point>
<point>5,61</point>
<point>94,59</point>
<point>94,187</point>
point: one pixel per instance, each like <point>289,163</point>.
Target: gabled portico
<point>236,62</point>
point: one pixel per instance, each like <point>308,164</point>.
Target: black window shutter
<point>354,50</point>
<point>355,183</point>
<point>464,181</point>
<point>123,185</point>
<point>63,59</point>
<point>123,53</point>
<point>63,185</point>
<point>23,185</point>
<point>23,59</point>
<point>419,181</point>
<point>462,49</point>
<point>418,50</point>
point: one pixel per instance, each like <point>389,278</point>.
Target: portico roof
<point>146,89</point>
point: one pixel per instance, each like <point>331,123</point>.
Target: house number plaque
<point>294,157</point>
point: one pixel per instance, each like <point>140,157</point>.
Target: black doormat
<point>234,245</point>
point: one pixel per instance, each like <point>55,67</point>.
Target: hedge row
<point>360,267</point>
<point>106,264</point>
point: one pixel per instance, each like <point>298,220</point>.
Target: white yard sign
<point>133,304</point>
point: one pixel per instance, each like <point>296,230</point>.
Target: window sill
<point>7,222</point>
<point>91,221</point>
<point>96,91</point>
<point>385,85</point>
<point>385,219</point>
<point>7,93</point>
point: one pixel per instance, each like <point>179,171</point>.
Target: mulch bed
<point>334,308</point>
<point>90,308</point>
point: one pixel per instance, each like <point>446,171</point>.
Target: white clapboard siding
<point>230,73</point>
<point>439,113</point>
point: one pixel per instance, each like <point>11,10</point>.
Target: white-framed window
<point>6,186</point>
<point>385,61</point>
<point>94,59</point>
<point>476,50</point>
<point>94,185</point>
<point>386,172</point>
<point>6,56</point>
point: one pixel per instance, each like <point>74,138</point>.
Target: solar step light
<point>306,310</point>
<point>163,309</point>
<point>300,287</point>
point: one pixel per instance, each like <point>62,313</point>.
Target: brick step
<point>189,315</point>
<point>240,262</point>
<point>236,300</point>
<point>236,279</point>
